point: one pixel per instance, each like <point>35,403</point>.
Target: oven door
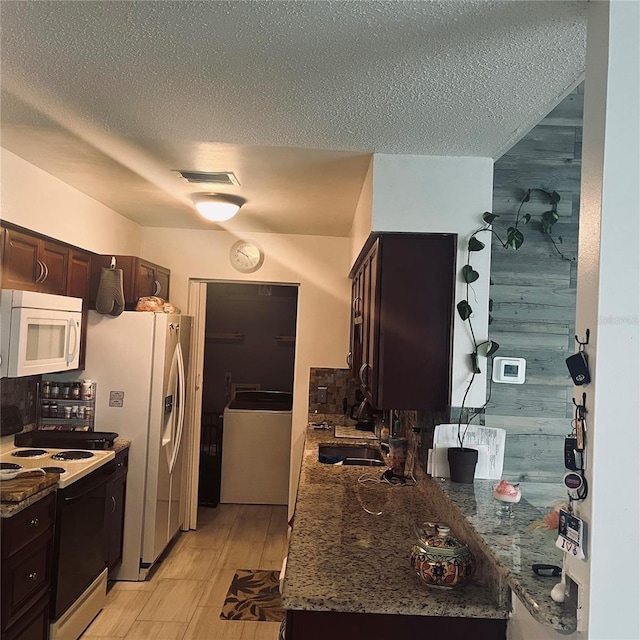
<point>79,544</point>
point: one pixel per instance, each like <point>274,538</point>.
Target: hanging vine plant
<point>514,240</point>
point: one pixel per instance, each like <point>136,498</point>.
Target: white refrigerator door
<point>164,462</point>
<point>120,359</point>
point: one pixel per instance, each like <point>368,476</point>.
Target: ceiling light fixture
<point>217,207</point>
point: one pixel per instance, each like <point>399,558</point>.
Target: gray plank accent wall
<point>533,292</point>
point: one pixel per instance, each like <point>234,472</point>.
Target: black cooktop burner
<point>59,470</point>
<point>73,455</point>
<point>29,453</point>
<point>10,466</point>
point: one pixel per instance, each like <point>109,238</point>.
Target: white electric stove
<point>72,464</point>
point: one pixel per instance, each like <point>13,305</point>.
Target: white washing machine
<point>256,448</point>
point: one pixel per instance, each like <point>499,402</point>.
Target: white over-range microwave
<point>40,333</point>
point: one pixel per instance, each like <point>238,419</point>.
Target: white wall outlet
<point>116,398</point>
<point>322,395</point>
<point>574,594</point>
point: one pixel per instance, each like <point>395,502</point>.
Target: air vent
<point>210,177</point>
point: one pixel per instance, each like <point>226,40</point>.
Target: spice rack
<point>66,406</point>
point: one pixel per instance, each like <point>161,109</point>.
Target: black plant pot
<point>462,464</point>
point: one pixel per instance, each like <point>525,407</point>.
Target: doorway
<point>249,344</point>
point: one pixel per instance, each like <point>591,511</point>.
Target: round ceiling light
<point>217,207</point>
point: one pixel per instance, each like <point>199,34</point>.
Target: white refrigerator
<point>139,362</point>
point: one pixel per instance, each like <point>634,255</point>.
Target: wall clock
<point>246,256</point>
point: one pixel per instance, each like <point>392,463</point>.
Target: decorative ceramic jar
<point>439,558</point>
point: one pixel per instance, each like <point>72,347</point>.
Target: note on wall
<point>489,442</point>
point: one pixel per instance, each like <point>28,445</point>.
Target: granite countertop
<point>120,444</point>
<point>342,558</point>
<point>10,509</point>
<point>507,544</point>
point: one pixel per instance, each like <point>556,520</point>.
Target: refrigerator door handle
<point>181,396</point>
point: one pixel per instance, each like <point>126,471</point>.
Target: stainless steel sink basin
<point>361,454</point>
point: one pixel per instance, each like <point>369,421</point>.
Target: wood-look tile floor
<point>183,598</point>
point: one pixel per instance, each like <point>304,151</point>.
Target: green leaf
<point>514,238</point>
<point>554,197</point>
<point>475,244</point>
<point>527,196</point>
<point>490,318</point>
<point>526,217</point>
<point>474,362</point>
<point>550,216</point>
<point>492,347</point>
<point>464,309</point>
<point>469,274</point>
<point>489,217</point>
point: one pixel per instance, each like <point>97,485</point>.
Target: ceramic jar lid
<point>436,538</point>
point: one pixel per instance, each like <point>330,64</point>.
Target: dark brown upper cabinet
<point>139,278</point>
<point>403,287</point>
<point>32,263</point>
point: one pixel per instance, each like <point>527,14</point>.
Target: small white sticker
<point>116,398</point>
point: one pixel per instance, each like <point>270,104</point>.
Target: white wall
<point>608,304</point>
<point>36,200</point>
<point>443,195</point>
<point>361,227</point>
<point>320,266</point>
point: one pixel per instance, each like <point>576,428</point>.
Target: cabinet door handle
<point>349,356</point>
<point>113,506</point>
<point>40,272</point>
<point>355,302</point>
<point>46,272</point>
<point>35,522</point>
<point>157,289</point>
<point>363,368</point>
<point>33,575</point>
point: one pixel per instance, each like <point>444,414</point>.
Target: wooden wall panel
<point>533,293</point>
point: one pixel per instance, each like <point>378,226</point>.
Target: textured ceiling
<point>291,95</point>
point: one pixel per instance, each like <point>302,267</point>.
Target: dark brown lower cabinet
<point>114,514</point>
<point>27,547</point>
<point>321,625</point>
<point>34,625</point>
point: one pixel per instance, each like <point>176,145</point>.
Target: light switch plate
<point>322,395</point>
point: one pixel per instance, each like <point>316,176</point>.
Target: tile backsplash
<point>339,383</point>
<point>417,426</point>
<point>20,392</point>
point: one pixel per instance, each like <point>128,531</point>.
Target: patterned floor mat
<point>254,595</point>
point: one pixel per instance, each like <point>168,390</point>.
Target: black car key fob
<point>572,455</point>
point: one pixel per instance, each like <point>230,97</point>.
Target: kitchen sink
<point>365,455</point>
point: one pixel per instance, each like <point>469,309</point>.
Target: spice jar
<point>55,390</point>
<point>75,391</point>
<point>65,391</point>
<point>46,389</point>
<point>87,390</point>
<point>45,410</point>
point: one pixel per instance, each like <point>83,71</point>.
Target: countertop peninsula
<point>343,559</point>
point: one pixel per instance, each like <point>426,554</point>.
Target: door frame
<point>197,309</point>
